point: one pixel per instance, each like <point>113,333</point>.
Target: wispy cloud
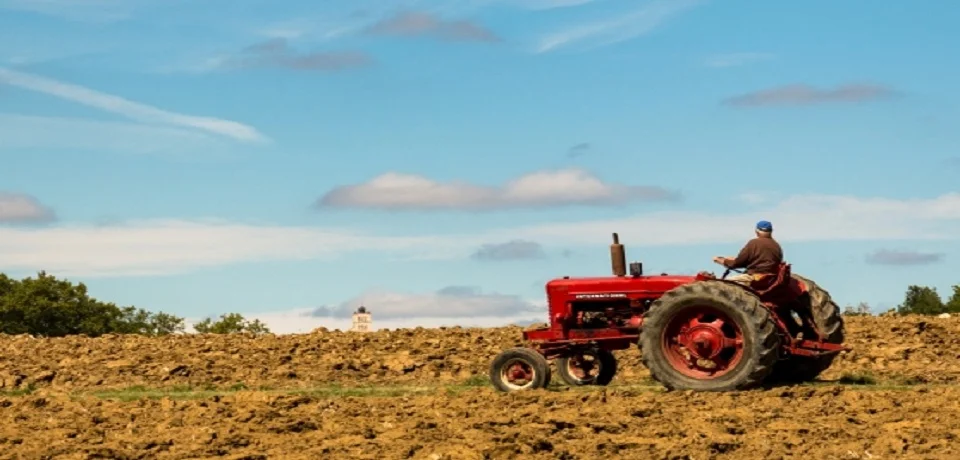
<point>623,27</point>
<point>757,197</point>
<point>794,95</point>
<point>797,218</point>
<point>130,109</point>
<point>419,23</point>
<point>403,18</point>
<point>566,187</point>
<point>511,250</point>
<point>578,150</point>
<point>159,247</point>
<point>24,132</point>
<point>736,59</point>
<point>177,246</point>
<point>19,208</point>
<point>894,257</point>
<point>277,52</point>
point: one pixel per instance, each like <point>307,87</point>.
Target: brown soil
<point>912,349</point>
<point>64,419</point>
<point>801,422</point>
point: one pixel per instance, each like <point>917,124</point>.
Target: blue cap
<point>764,226</point>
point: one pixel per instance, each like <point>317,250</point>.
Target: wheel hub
<point>705,341</point>
<point>517,374</point>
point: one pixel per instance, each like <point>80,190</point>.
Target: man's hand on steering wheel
<point>724,261</point>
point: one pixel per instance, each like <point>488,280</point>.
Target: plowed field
<point>421,394</point>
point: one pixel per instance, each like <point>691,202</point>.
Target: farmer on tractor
<point>761,257</point>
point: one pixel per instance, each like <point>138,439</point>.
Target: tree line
<point>50,307</point>
<point>918,300</point>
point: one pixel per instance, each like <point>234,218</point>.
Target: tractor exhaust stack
<point>618,257</point>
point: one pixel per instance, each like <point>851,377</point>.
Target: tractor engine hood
<point>608,286</point>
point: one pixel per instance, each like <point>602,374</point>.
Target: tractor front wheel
<point>519,369</point>
<point>587,367</point>
<point>709,336</point>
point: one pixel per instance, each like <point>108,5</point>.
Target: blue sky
<point>440,160</point>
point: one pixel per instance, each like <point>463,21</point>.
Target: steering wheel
<point>728,270</point>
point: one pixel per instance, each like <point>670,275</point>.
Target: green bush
<point>46,306</point>
<point>923,300</point>
<point>230,323</point>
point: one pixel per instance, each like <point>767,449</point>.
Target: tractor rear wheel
<point>829,321</point>
<point>519,369</point>
<point>709,336</point>
<point>575,369</point>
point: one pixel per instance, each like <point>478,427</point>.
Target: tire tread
<point>766,338</point>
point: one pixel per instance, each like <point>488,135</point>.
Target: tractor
<point>695,332</point>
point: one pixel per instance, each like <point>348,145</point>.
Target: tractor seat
<point>773,285</point>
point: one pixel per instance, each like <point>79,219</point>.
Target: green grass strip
<point>855,382</point>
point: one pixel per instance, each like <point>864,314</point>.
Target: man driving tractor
<point>761,256</point>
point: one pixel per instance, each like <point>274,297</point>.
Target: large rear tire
<point>709,336</point>
<point>829,321</point>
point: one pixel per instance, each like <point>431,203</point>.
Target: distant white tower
<point>362,319</point>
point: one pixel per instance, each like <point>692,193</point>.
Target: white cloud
<point>623,27</point>
<point>757,198</point>
<point>127,108</point>
<point>160,247</point>
<point>173,246</point>
<point>752,198</point>
<point>796,218</point>
<point>538,189</point>
<point>20,208</point>
<point>21,132</point>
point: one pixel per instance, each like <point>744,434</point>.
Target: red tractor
<point>694,332</point>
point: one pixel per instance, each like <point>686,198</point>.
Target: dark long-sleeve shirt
<point>759,255</point>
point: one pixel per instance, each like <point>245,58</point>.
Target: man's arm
<point>743,258</point>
